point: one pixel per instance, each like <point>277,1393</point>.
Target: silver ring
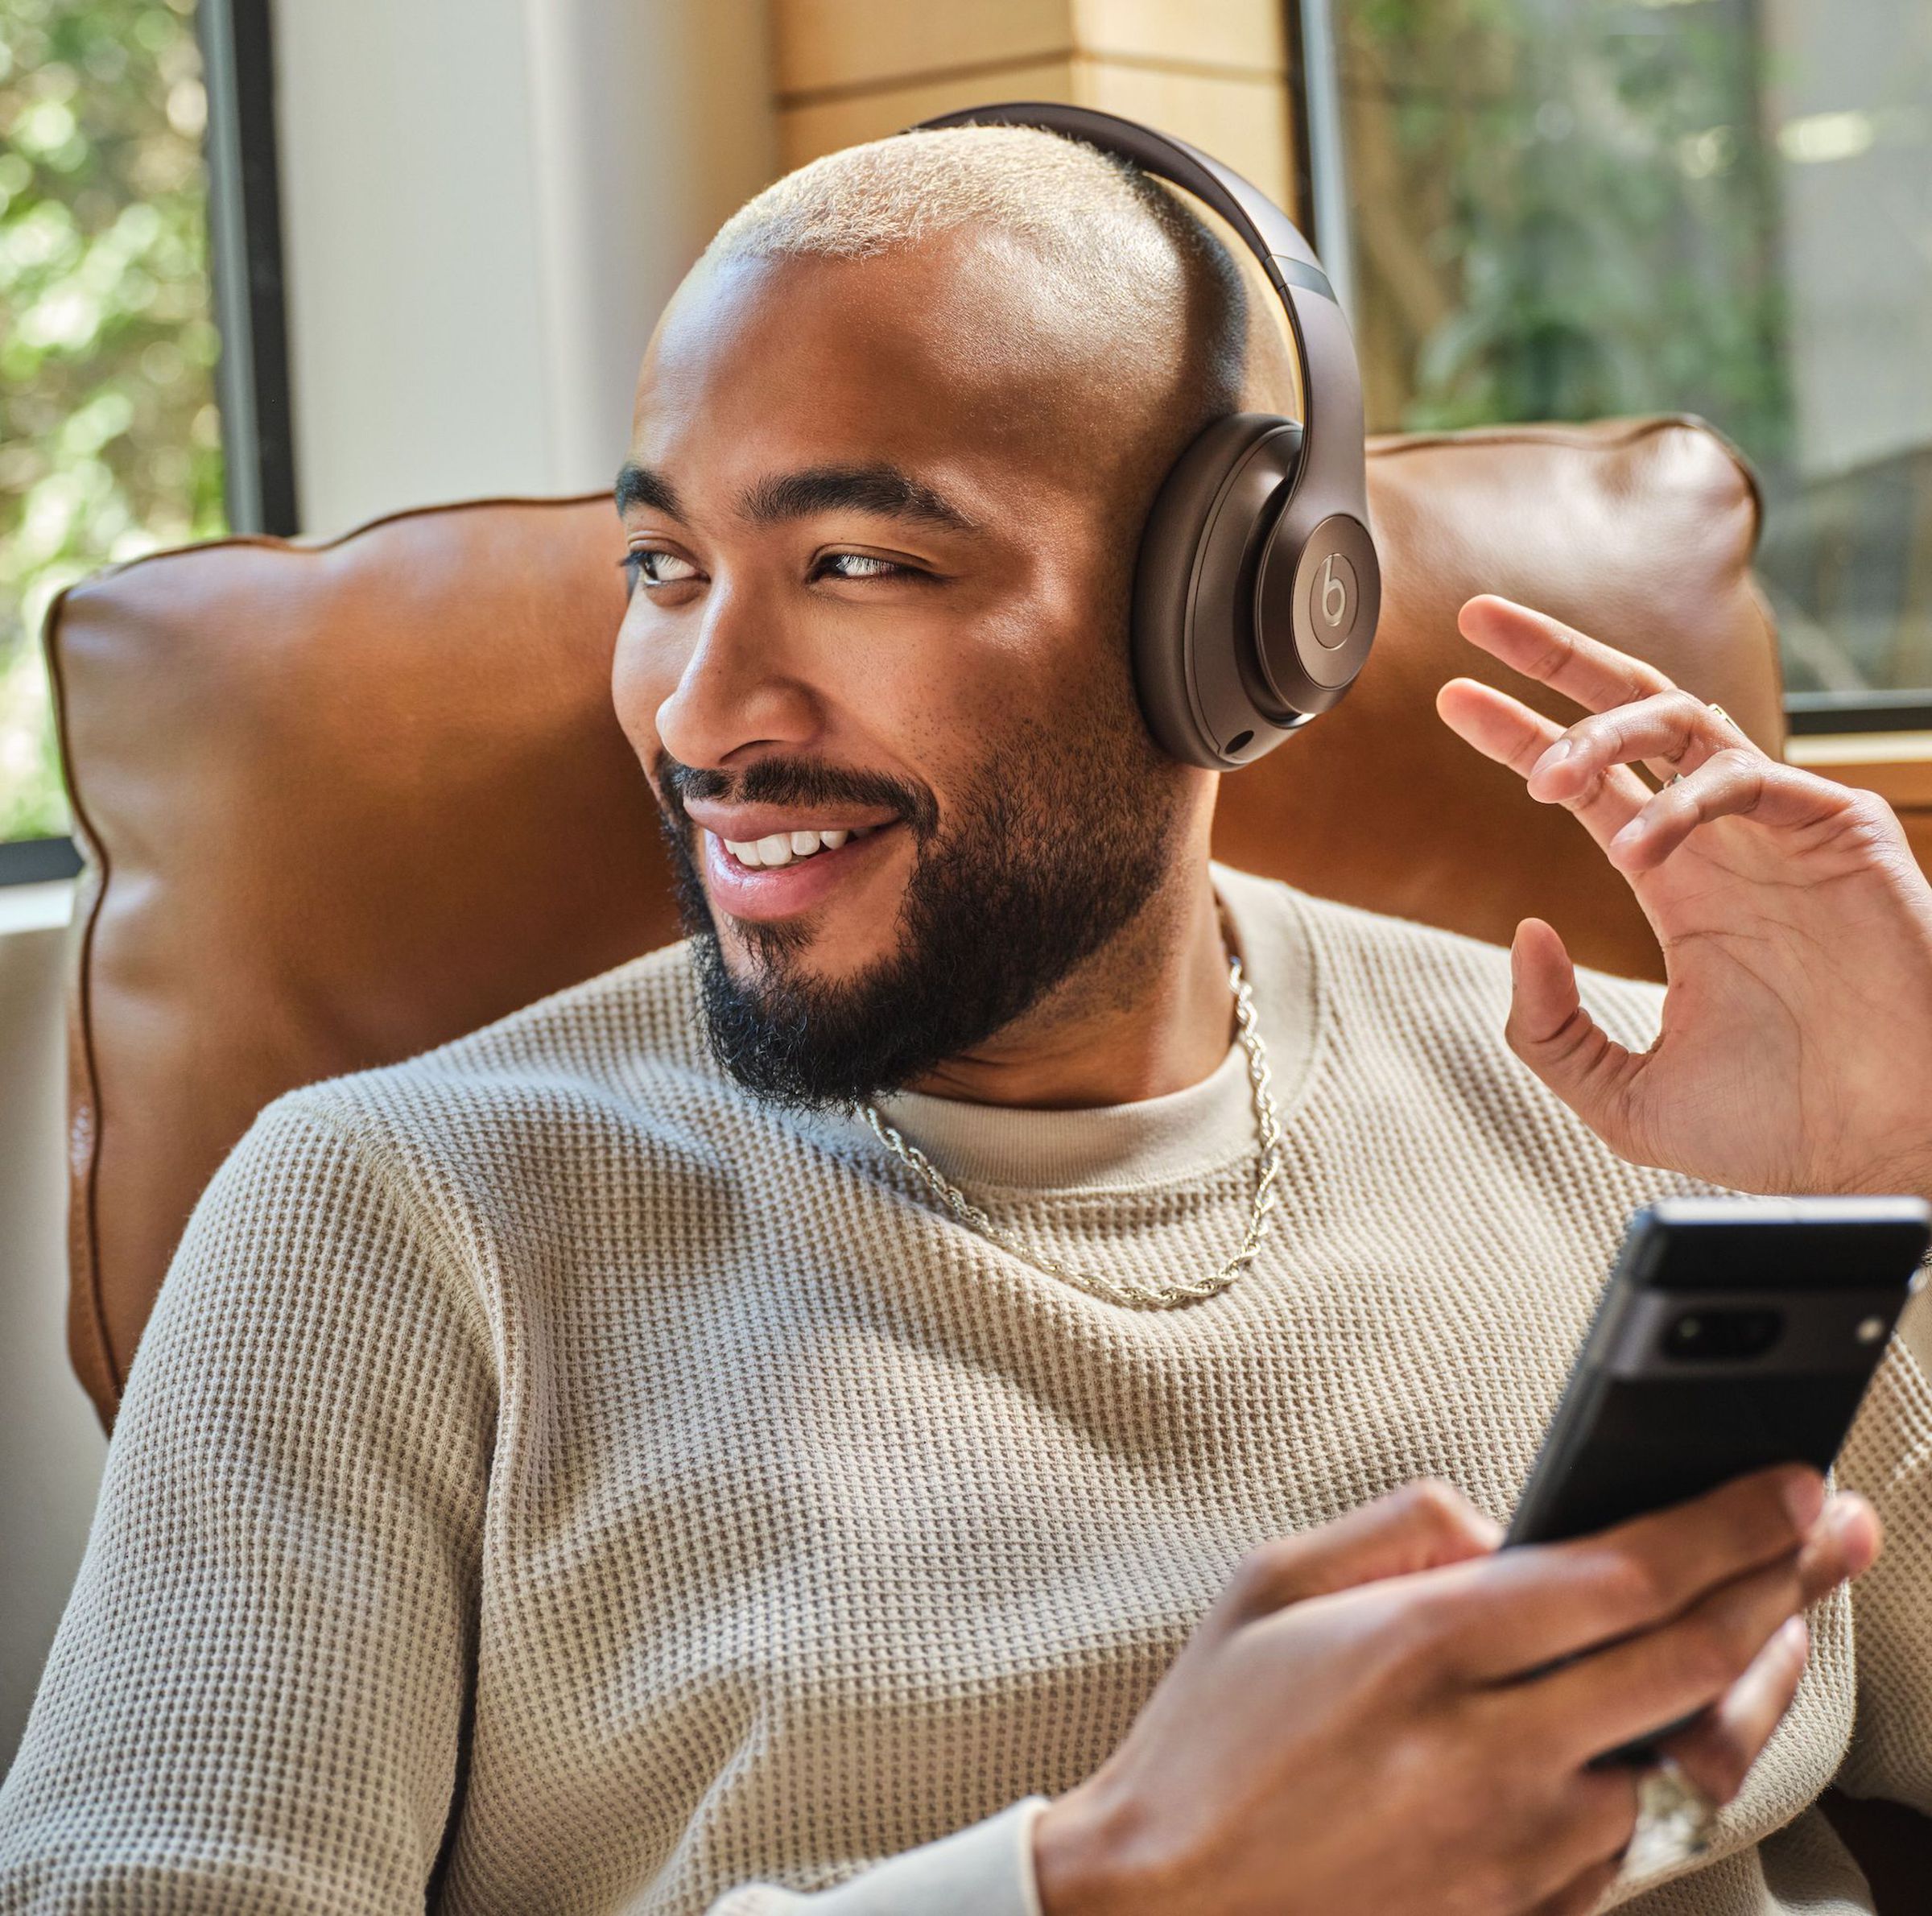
<point>1675,1821</point>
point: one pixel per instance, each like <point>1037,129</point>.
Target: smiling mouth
<point>779,848</point>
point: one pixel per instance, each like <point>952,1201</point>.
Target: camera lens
<point>1710,1336</point>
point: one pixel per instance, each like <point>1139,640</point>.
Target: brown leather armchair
<point>343,802</point>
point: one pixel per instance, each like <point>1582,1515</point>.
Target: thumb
<point>1552,1033</point>
<point>1424,1526</point>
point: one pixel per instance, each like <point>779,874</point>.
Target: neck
<point>1151,1014</point>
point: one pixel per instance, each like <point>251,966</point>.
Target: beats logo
<point>1332,597</point>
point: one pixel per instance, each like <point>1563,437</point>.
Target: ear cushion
<point>1194,639</point>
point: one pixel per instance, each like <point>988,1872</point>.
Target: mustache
<point>805,782</point>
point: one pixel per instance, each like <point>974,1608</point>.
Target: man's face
<point>875,660</point>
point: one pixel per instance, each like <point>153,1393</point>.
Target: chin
<point>814,950</point>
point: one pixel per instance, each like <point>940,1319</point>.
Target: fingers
<point>1843,1545</point>
<point>1421,1526</point>
<point>1593,673</point>
<point>1717,1751</point>
<point>1639,717</point>
<point>1669,731</point>
<point>1596,1812</point>
<point>1529,1606</point>
<point>1506,730</point>
<point>1550,1031</point>
<point>1659,1676</point>
<point>1731,783</point>
<point>1633,1689</point>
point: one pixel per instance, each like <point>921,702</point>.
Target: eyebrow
<point>642,485</point>
<point>883,491</point>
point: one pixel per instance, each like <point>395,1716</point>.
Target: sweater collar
<point>1184,1134</point>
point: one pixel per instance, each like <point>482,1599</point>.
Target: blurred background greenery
<point>1558,216</point>
<point>109,440</point>
<point>1572,209</point>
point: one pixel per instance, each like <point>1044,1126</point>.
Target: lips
<point>795,882</point>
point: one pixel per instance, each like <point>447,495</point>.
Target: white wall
<point>485,204</point>
<point>51,1447</point>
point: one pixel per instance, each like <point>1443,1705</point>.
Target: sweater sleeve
<point>1888,1457</point>
<point>254,1699</point>
<point>986,1869</point>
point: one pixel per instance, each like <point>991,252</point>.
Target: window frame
<point>252,388</point>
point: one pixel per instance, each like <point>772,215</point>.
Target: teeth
<point>779,848</point>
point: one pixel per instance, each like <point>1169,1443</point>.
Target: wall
<point>485,203</point>
<point>850,70</point>
<point>51,1446</point>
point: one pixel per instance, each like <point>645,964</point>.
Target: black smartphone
<point>1736,1333</point>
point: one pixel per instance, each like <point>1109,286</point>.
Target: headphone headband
<point>1256,586</point>
<point>1331,386</point>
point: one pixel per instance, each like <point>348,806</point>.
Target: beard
<point>1046,859</point>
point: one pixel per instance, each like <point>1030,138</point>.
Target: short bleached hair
<point>1131,259</point>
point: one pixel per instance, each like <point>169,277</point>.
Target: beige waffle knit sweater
<point>552,1480</point>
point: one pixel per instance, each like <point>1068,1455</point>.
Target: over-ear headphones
<point>1257,589</point>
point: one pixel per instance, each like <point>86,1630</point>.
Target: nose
<point>716,687</point>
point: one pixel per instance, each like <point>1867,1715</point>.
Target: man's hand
<point>1796,1048</point>
<point>1387,1714</point>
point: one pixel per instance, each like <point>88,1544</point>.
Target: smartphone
<point>1736,1333</point>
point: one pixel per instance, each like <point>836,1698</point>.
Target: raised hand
<point>1796,1048</point>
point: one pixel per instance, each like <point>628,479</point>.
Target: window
<point>110,440</point>
<point>1572,209</point>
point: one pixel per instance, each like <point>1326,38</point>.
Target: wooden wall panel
<point>823,45</point>
<point>853,70</point>
<point>1248,36</point>
<point>1240,119</point>
<point>811,125</point>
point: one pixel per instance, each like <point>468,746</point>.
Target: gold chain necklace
<point>1140,1296</point>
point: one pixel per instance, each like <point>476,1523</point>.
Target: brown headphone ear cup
<point>1194,639</point>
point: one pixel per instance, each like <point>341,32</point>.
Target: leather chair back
<point>344,802</point>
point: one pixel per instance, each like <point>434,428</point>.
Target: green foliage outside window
<point>110,440</point>
<point>1572,211</point>
<point>1584,222</point>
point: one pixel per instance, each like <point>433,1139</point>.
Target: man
<point>701,1444</point>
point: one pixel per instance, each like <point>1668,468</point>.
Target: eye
<point>859,565</point>
<point>647,566</point>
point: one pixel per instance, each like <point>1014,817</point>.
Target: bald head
<point>1120,256</point>
<point>1119,309</point>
